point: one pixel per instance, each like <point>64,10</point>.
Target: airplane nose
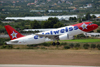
<point>95,26</point>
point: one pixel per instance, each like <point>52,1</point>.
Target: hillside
<point>42,7</point>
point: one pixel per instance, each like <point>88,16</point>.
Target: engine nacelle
<point>65,37</point>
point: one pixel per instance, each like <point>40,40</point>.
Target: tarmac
<point>22,65</point>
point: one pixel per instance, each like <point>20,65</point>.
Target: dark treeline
<point>20,25</point>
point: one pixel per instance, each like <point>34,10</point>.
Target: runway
<point>22,65</point>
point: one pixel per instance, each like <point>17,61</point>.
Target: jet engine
<point>65,37</point>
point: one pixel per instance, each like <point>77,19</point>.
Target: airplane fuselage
<point>63,33</point>
<point>35,39</point>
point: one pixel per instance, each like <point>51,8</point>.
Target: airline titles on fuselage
<point>65,29</point>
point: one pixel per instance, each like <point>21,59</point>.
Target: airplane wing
<point>38,29</point>
<point>54,37</point>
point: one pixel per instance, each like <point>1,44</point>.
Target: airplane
<point>63,33</point>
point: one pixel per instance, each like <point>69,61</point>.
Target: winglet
<point>13,34</point>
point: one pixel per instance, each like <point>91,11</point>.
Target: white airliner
<point>63,33</point>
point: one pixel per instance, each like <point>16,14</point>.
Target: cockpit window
<point>90,23</point>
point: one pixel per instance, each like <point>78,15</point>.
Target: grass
<point>83,40</point>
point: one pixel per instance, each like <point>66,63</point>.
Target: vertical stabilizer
<point>13,34</point>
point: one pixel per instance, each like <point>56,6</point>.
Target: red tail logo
<point>13,34</point>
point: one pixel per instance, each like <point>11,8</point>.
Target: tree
<point>75,18</point>
<point>88,17</point>
<point>53,20</point>
<point>57,25</point>
<point>71,18</point>
<point>45,24</point>
<point>84,19</point>
<point>79,20</point>
<point>86,46</point>
<point>93,16</point>
<point>35,24</point>
<point>81,36</point>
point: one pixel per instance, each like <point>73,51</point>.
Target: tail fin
<point>13,34</point>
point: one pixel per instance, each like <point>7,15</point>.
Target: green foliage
<point>2,30</point>
<point>35,24</point>
<point>71,45</point>
<point>43,48</point>
<point>46,24</point>
<point>6,47</point>
<point>86,46</point>
<point>98,46</point>
<point>46,44</point>
<point>66,47</point>
<point>18,48</point>
<point>63,43</point>
<point>93,16</point>
<point>53,20</point>
<point>34,45</point>
<point>57,25</point>
<point>98,23</point>
<point>98,31</point>
<point>21,8</point>
<point>84,19</point>
<point>79,20</point>
<point>0,22</point>
<point>88,17</point>
<point>81,36</point>
<point>93,46</point>
<point>2,40</point>
<point>51,23</point>
<point>83,40</point>
<point>77,45</point>
<point>72,18</point>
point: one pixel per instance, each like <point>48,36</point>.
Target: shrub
<point>2,40</point>
<point>93,46</point>
<point>6,47</point>
<point>3,46</point>
<point>71,45</point>
<point>17,48</point>
<point>86,46</point>
<point>98,46</point>
<point>46,44</point>
<point>9,46</point>
<point>43,48</point>
<point>34,45</point>
<point>66,47</point>
<point>63,43</point>
<point>77,45</point>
